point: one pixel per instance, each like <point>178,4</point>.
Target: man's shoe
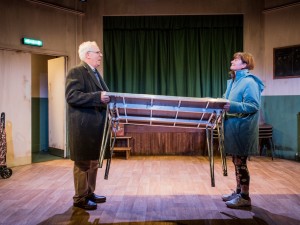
<point>97,198</point>
<point>238,202</point>
<point>87,205</point>
<point>229,197</point>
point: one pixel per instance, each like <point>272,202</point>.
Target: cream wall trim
<point>56,7</point>
<point>34,50</point>
<point>281,7</point>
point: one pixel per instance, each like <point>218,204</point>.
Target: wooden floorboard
<point>158,190</point>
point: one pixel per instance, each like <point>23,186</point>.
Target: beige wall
<point>282,28</point>
<point>61,28</point>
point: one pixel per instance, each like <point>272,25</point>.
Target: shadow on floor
<point>76,216</point>
<point>43,156</point>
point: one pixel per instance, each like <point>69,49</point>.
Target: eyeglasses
<point>97,52</point>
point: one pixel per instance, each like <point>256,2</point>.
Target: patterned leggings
<point>241,172</point>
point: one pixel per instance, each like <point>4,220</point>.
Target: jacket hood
<point>246,73</point>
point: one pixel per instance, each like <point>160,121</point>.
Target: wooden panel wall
<point>156,140</point>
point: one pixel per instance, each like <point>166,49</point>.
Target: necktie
<point>97,75</point>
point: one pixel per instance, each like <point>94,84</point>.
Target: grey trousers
<point>85,175</point>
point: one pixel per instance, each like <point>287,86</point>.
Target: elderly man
<point>85,95</point>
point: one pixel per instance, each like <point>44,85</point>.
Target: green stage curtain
<point>170,55</point>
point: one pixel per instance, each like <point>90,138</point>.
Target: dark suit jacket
<point>85,113</point>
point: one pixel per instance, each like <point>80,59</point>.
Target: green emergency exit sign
<point>32,42</point>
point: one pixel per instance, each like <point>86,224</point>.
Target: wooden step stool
<point>120,148</point>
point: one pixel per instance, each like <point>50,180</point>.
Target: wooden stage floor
<point>158,190</point>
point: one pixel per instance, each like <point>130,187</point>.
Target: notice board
<point>286,62</point>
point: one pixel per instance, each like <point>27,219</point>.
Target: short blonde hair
<point>85,47</point>
<point>246,58</point>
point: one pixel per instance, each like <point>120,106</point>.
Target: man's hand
<point>104,97</point>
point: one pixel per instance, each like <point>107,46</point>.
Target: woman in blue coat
<point>241,124</point>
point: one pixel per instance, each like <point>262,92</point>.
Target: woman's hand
<point>226,106</point>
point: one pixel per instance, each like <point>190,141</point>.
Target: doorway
<point>48,108</point>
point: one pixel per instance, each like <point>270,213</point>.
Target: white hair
<point>85,47</point>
